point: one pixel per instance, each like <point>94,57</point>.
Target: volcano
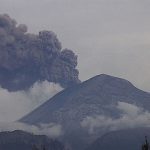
<point>97,96</point>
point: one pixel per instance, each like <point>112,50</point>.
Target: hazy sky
<point>109,36</point>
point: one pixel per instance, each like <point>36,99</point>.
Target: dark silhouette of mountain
<point>129,139</point>
<point>20,140</point>
<point>92,97</point>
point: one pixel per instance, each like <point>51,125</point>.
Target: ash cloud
<point>26,58</point>
<point>131,117</point>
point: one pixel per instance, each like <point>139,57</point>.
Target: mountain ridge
<point>18,139</point>
<point>101,77</point>
<point>97,96</point>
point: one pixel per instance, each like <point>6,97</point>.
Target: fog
<point>52,130</point>
<point>131,117</point>
<point>14,105</point>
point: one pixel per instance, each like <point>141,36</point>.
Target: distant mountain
<point>97,96</point>
<point>129,139</point>
<point>20,140</point>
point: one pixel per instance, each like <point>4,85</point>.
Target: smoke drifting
<point>26,58</point>
<point>14,105</point>
<point>52,130</point>
<point>131,117</point>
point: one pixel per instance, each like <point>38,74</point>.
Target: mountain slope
<point>98,91</point>
<point>130,139</point>
<point>97,96</point>
<point>20,140</point>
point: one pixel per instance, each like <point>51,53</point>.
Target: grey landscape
<point>74,75</point>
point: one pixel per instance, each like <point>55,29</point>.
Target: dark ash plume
<point>27,58</point>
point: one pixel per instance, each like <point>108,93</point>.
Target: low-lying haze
<point>131,117</point>
<point>14,105</point>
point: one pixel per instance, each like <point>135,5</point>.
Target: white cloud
<point>129,109</point>
<point>52,129</point>
<point>14,105</point>
<point>131,117</point>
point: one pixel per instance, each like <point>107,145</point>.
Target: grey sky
<point>109,36</point>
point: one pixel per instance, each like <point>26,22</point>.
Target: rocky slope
<point>130,139</point>
<point>98,96</point>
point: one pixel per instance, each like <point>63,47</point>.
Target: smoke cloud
<point>131,117</point>
<point>14,105</point>
<point>26,58</point>
<point>52,130</point>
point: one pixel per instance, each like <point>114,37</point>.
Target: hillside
<point>20,140</point>
<point>129,139</point>
<point>101,96</point>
